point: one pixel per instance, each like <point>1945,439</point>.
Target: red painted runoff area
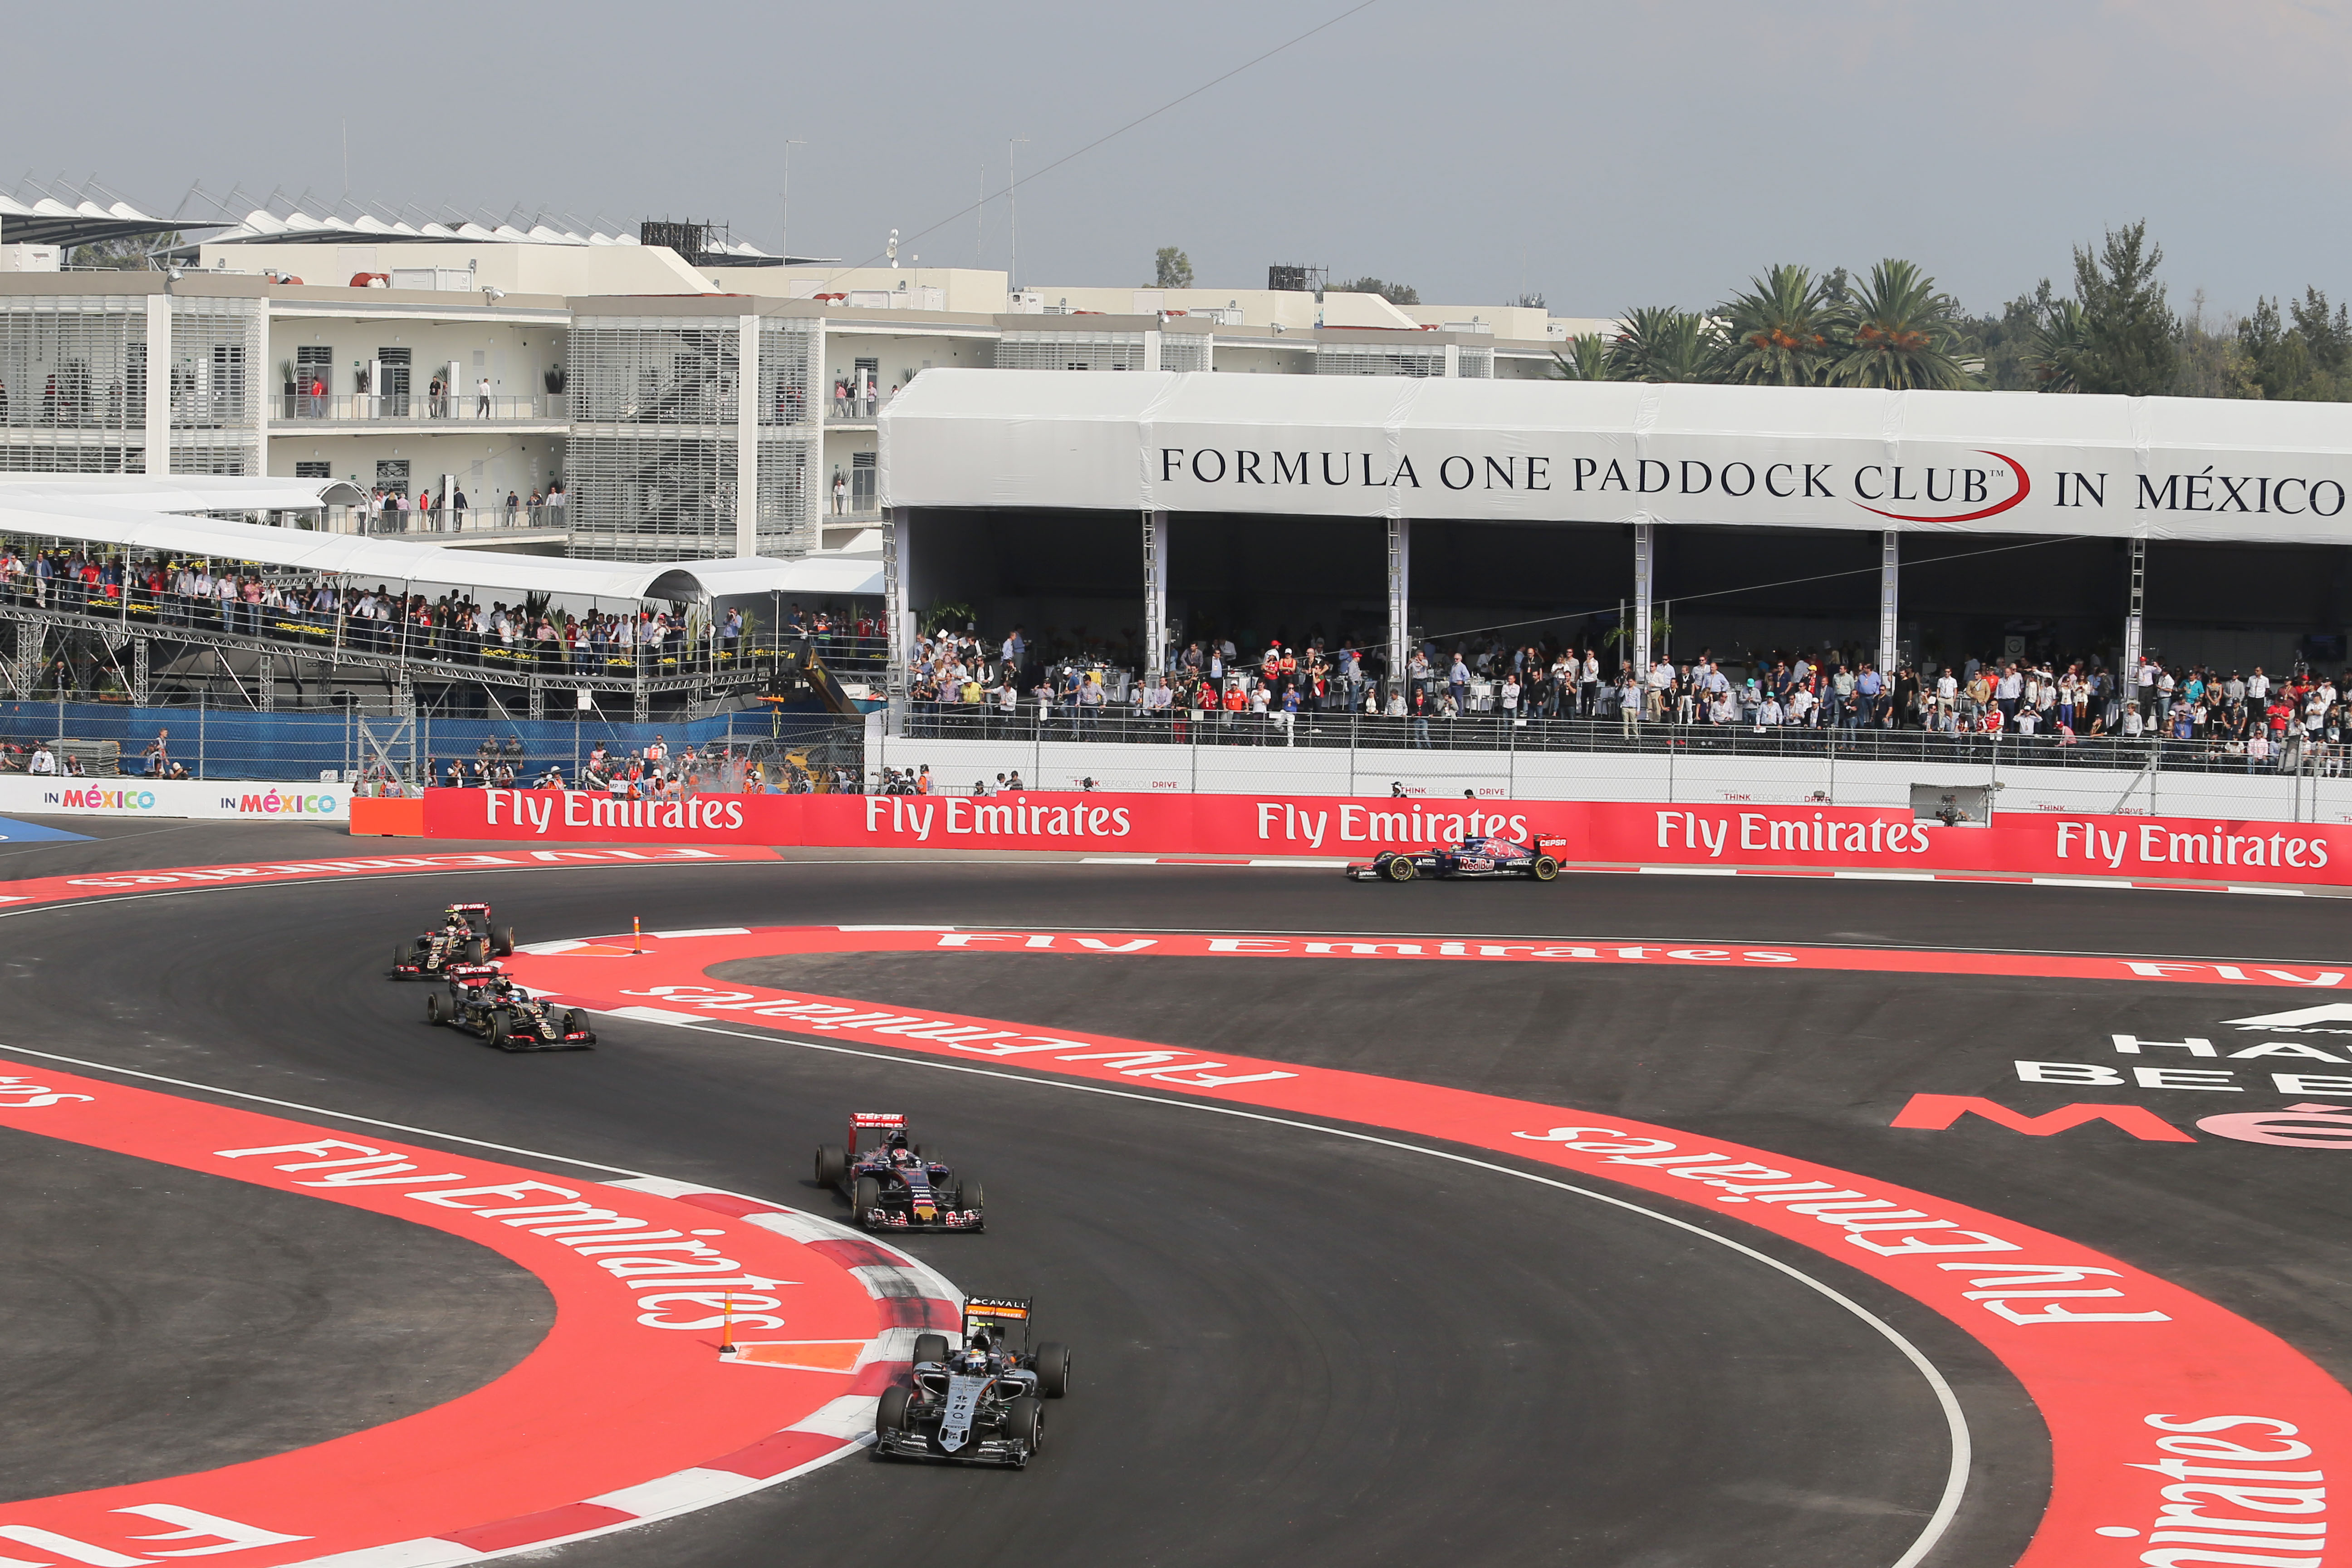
<point>2154,1396</point>
<point>628,1387</point>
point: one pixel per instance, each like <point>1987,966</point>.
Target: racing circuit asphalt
<point>1289,1347</point>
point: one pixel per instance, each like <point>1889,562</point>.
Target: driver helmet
<point>980,1341</point>
<point>895,1140</point>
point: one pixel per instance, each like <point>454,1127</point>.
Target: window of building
<point>314,471</point>
<point>391,474</point>
<point>861,482</point>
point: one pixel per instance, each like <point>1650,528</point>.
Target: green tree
<point>1394,293</point>
<point>1658,343</point>
<point>123,255</point>
<point>1783,333</point>
<point>1587,359</point>
<point>2213,364</point>
<point>2130,340</point>
<point>1903,334</point>
<point>2001,343</point>
<point>2057,346</point>
<point>1175,269</point>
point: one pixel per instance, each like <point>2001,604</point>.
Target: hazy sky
<point>1609,156</point>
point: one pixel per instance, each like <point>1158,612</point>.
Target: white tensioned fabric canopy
<point>1559,451</point>
<point>143,514</point>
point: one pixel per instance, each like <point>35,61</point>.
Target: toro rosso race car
<point>891,1185</point>
<point>982,1404</point>
<point>1471,857</point>
<point>498,1010</point>
<point>463,945</point>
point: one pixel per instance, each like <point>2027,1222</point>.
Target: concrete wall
<point>515,357</point>
<point>1573,775</point>
<point>520,463</point>
<point>517,269</point>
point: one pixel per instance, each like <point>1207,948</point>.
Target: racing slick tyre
<point>930,1347</point>
<point>890,1412</point>
<point>969,1194</point>
<point>832,1167</point>
<point>1024,1423</point>
<point>502,1028</point>
<point>399,957</point>
<point>865,1198</point>
<point>1545,868</point>
<point>503,943</point>
<point>433,1010</point>
<point>476,949</point>
<point>1399,868</point>
<point>1052,1369</point>
<point>575,1022</point>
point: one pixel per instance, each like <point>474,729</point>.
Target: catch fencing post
<point>200,735</point>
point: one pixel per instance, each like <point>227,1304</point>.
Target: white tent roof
<point>1556,452</point>
<point>131,510</point>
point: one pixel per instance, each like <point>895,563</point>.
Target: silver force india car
<point>498,1010</point>
<point>892,1185</point>
<point>983,1404</point>
<point>1472,858</point>
<point>463,944</point>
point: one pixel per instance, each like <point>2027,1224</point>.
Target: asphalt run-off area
<point>1628,1220</point>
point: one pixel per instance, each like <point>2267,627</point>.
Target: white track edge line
<point>1955,1479</point>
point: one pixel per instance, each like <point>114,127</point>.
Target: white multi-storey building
<point>489,365</point>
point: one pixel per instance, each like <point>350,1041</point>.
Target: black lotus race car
<point>463,945</point>
<point>891,1185</point>
<point>1472,858</point>
<point>980,1405</point>
<point>507,1016</point>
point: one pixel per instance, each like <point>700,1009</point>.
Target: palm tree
<point>1658,343</point>
<point>1587,359</point>
<point>1784,331</point>
<point>2054,351</point>
<point>1903,334</point>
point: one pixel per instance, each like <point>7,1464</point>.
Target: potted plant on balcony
<point>557,378</point>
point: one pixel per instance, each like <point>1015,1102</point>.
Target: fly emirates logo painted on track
<point>2099,1344</point>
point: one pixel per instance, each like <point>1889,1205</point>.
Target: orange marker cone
<point>727,1325</point>
<point>638,933</point>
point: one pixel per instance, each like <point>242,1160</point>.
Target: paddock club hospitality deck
<point>1121,517</point>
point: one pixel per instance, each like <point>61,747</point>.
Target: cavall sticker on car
<point>2156,1399</point>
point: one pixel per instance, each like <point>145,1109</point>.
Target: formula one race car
<point>980,1405</point>
<point>463,945</point>
<point>509,1017</point>
<point>892,1185</point>
<point>1472,858</point>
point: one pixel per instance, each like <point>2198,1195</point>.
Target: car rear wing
<point>881,1123</point>
<point>1552,844</point>
<point>1001,1315</point>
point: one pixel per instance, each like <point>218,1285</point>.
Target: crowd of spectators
<point>1210,689</point>
<point>390,509</point>
<point>655,771</point>
<point>313,609</point>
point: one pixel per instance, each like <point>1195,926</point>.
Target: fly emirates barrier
<point>1783,838</point>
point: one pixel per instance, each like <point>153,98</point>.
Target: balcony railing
<point>389,407</point>
<point>1123,722</point>
<point>485,519</point>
